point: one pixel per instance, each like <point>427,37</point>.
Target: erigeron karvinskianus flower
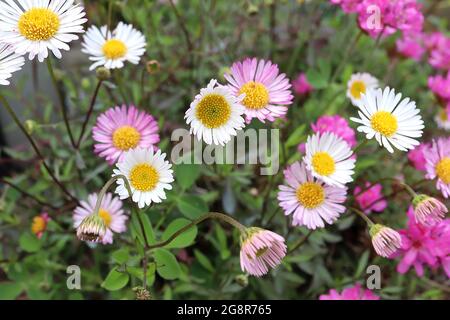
<point>34,27</point>
<point>438,164</point>
<point>428,211</point>
<point>10,62</point>
<point>358,85</point>
<point>392,121</point>
<point>310,201</point>
<point>328,158</point>
<point>99,227</point>
<point>267,93</point>
<point>148,173</point>
<point>215,115</point>
<point>39,224</point>
<point>261,250</point>
<point>113,49</point>
<point>120,129</point>
<point>442,118</point>
<point>385,240</point>
<point>355,292</point>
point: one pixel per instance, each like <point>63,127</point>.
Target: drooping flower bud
<point>92,228</point>
<point>103,73</point>
<point>385,240</point>
<point>428,211</point>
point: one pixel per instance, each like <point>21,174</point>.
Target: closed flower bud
<point>142,293</point>
<point>30,126</point>
<point>428,211</point>
<point>385,240</point>
<point>103,73</point>
<point>92,228</point>
<point>242,280</point>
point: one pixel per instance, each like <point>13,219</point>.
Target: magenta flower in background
<point>348,6</point>
<point>368,13</point>
<point>411,46</point>
<point>267,92</point>
<point>337,125</point>
<point>405,15</point>
<point>120,129</point>
<point>416,156</point>
<point>438,164</point>
<point>352,293</point>
<point>433,40</point>
<point>440,86</point>
<point>440,53</point>
<point>301,85</point>
<point>261,250</point>
<point>424,245</point>
<point>369,200</point>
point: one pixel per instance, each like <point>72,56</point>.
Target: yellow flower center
<point>357,88</point>
<point>323,163</point>
<point>256,95</point>
<point>384,122</point>
<point>38,225</point>
<point>114,49</point>
<point>38,24</point>
<point>126,137</point>
<point>261,251</point>
<point>105,216</point>
<point>213,111</point>
<point>443,115</point>
<point>310,195</point>
<point>443,170</point>
<point>144,177</point>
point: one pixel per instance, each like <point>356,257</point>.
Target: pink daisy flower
<point>348,6</point>
<point>301,85</point>
<point>110,211</point>
<point>337,125</point>
<point>309,200</point>
<point>440,54</point>
<point>440,86</point>
<point>352,293</point>
<point>411,46</point>
<point>417,156</point>
<point>120,129</point>
<point>369,200</point>
<point>261,250</point>
<point>385,241</point>
<point>438,164</point>
<point>267,92</point>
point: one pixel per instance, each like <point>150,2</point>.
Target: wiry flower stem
<point>106,188</point>
<point>363,216</point>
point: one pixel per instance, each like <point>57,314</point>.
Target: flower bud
<point>103,73</point>
<point>153,66</point>
<point>242,280</point>
<point>92,228</point>
<point>385,240</point>
<point>30,126</point>
<point>428,211</point>
<point>142,293</point>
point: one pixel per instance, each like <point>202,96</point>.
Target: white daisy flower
<point>216,114</point>
<point>442,120</point>
<point>359,84</point>
<point>36,26</point>
<point>148,174</point>
<point>9,62</point>
<point>389,120</point>
<point>112,49</point>
<point>328,158</point>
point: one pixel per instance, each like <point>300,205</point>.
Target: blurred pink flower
<point>440,86</point>
<point>440,53</point>
<point>411,46</point>
<point>351,293</point>
<point>337,125</point>
<point>405,15</point>
<point>429,245</point>
<point>370,196</point>
<point>417,158</point>
<point>301,85</point>
<point>348,6</point>
<point>438,164</point>
<point>433,40</point>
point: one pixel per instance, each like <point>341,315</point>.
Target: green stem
<point>359,146</point>
<point>35,147</point>
<point>110,7</point>
<point>61,100</point>
<point>183,27</point>
<point>106,188</point>
<point>29,195</point>
<point>300,242</point>
<point>363,216</point>
<point>349,51</point>
<point>146,245</point>
<point>210,215</point>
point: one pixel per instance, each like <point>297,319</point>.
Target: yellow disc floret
<point>443,170</point>
<point>144,177</point>
<point>114,49</point>
<point>256,95</point>
<point>213,111</point>
<point>357,88</point>
<point>38,24</point>
<point>126,137</point>
<point>310,195</point>
<point>39,224</point>
<point>384,122</point>
<point>323,163</point>
<point>106,216</point>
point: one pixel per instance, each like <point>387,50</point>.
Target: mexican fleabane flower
<point>215,115</point>
<point>383,115</point>
<point>310,201</point>
<point>386,241</point>
<point>411,46</point>
<point>113,49</point>
<point>111,212</point>
<point>438,164</point>
<point>358,85</point>
<point>371,199</point>
<point>337,125</point>
<point>148,173</point>
<point>10,62</point>
<point>428,211</point>
<point>39,224</point>
<point>267,92</point>
<point>120,129</point>
<point>328,158</point>
<point>439,52</point>
<point>442,118</point>
<point>440,86</point>
<point>355,292</point>
<point>416,156</point>
<point>261,250</point>
<point>37,26</point>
